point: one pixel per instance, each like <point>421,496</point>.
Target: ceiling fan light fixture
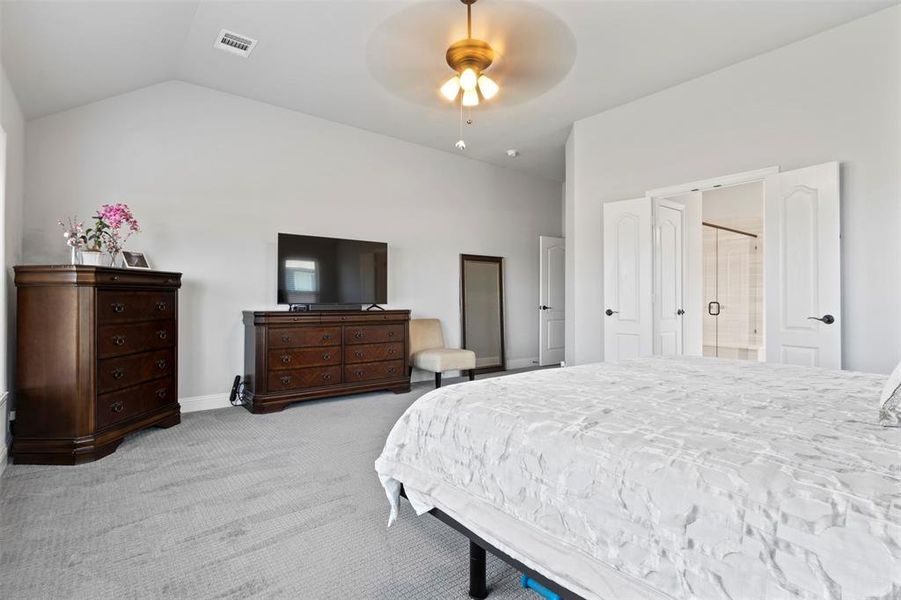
<point>468,80</point>
<point>451,88</point>
<point>470,97</point>
<point>488,88</point>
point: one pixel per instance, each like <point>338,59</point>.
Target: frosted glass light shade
<point>487,87</point>
<point>470,98</point>
<point>468,80</point>
<point>451,88</point>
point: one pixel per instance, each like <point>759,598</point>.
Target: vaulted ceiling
<point>376,64</point>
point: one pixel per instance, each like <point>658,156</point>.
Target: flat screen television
<point>320,270</point>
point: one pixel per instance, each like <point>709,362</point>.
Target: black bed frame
<point>478,585</point>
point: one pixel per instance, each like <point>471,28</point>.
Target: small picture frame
<point>135,260</point>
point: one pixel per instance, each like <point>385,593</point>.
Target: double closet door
<point>643,278</point>
<point>655,296</point>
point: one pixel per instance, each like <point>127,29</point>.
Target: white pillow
<point>890,407</point>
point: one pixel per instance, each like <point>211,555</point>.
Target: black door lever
<point>826,319</point>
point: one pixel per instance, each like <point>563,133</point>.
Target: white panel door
<point>803,267</point>
<point>628,320</point>
<point>551,290</point>
<point>668,301</point>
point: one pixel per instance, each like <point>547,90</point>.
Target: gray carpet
<point>233,505</point>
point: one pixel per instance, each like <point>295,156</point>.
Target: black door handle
<point>609,312</point>
<point>680,312</point>
<point>710,306</point>
<point>543,307</point>
<point>825,319</point>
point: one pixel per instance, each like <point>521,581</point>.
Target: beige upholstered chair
<point>427,351</point>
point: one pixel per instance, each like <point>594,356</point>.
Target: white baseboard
<point>5,438</point>
<point>208,402</point>
<point>522,363</point>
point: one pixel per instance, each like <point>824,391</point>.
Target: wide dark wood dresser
<point>290,357</point>
<point>97,359</point>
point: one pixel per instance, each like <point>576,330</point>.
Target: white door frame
<point>703,185</point>
<point>714,182</point>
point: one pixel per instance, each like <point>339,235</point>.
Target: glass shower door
<point>732,294</point>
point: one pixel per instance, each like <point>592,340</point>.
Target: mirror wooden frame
<point>499,261</point>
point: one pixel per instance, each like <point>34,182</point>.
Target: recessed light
<point>512,152</point>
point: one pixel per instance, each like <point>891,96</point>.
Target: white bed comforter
<point>682,478</point>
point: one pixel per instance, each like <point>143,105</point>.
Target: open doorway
<point>732,279</point>
<point>766,284</point>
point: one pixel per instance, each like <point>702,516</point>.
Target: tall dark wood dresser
<point>97,359</point>
<point>290,357</point>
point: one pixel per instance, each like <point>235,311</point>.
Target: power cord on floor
<point>238,396</point>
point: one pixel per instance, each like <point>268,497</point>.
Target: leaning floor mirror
<point>482,303</point>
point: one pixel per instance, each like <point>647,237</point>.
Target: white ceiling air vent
<point>234,43</point>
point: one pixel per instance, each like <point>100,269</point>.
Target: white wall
<point>213,178</point>
<point>834,96</point>
<point>11,198</point>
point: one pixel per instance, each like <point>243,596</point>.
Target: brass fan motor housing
<point>470,52</point>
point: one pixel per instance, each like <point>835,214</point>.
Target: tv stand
<point>292,357</point>
<point>374,307</point>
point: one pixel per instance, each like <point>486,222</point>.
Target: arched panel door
<point>628,319</point>
<point>803,267</point>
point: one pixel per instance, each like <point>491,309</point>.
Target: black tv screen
<point>319,270</point>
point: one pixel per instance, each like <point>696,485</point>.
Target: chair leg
<point>472,374</point>
<point>437,380</point>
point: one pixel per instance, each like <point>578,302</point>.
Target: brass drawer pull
<point>326,337</point>
<point>161,394</point>
<point>119,340</point>
<point>118,307</point>
<point>114,278</point>
<point>285,339</point>
<point>390,334</point>
<point>358,354</point>
<point>358,335</point>
<point>326,356</point>
<point>161,306</point>
<point>162,334</point>
<point>327,376</point>
<point>161,363</point>
<point>118,373</point>
<point>358,373</point>
<point>286,358</point>
<point>391,351</point>
<point>392,370</point>
<point>286,379</point>
<point>117,406</point>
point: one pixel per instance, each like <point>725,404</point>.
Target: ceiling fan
<point>469,58</point>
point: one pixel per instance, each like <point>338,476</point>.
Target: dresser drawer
<point>304,378</point>
<point>124,371</point>
<point>371,334</point>
<point>124,404</point>
<point>373,371</point>
<point>298,358</point>
<point>115,306</point>
<point>301,337</point>
<point>128,338</point>
<point>361,353</point>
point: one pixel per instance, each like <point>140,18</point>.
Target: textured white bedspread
<point>681,478</point>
